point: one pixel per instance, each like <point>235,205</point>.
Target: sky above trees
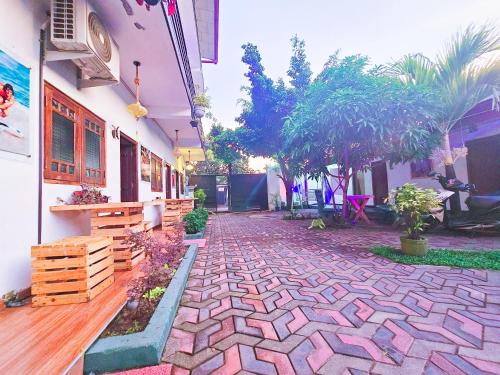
<point>384,30</point>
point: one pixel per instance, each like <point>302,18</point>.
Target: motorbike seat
<point>483,201</point>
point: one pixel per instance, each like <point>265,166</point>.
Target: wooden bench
<point>71,270</point>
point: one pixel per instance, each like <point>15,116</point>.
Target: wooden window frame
<point>81,113</point>
<point>156,177</point>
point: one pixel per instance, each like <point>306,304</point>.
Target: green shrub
<point>200,196</point>
<point>411,202</point>
<point>195,220</point>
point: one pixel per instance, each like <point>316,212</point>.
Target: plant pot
<point>413,247</point>
<point>16,303</point>
<point>199,111</point>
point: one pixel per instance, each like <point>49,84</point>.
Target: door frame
<point>168,181</point>
<point>135,176</point>
<point>177,183</point>
<point>374,189</point>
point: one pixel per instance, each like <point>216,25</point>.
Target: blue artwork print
<point>14,105</point>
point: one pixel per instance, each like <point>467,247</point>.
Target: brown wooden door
<point>379,182</point>
<point>483,164</point>
<point>128,169</point>
<point>177,185</point>
<point>168,181</point>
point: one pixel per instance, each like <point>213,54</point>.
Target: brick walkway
<point>268,296</point>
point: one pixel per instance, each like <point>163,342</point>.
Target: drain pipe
<point>41,106</point>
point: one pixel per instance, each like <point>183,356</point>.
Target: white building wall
<point>19,174</point>
<point>401,174</point>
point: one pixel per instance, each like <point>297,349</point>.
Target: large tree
<point>352,115</point>
<point>269,103</point>
<point>225,157</point>
<point>464,74</point>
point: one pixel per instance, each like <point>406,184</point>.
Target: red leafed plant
<point>88,195</point>
<point>162,256</point>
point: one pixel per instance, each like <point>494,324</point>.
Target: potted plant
<point>411,203</point>
<point>201,102</point>
<point>14,299</point>
<point>200,197</point>
<point>87,195</point>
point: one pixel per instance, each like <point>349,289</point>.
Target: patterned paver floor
<point>267,296</point>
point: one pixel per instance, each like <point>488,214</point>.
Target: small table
<point>359,203</point>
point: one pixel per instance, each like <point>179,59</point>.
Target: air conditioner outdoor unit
<point>76,28</point>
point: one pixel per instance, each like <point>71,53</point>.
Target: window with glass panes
<point>156,173</point>
<point>74,141</point>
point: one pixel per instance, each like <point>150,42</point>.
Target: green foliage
<point>9,297</point>
<point>352,115</point>
<point>154,293</point>
<point>225,151</point>
<point>317,224</point>
<point>136,327</point>
<point>202,100</point>
<point>411,202</point>
<point>269,103</point>
<point>195,220</point>
<point>200,196</point>
<point>445,257</point>
<point>465,73</point>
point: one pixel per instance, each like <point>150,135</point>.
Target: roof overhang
<point>192,153</point>
<point>144,36</point>
<point>207,22</point>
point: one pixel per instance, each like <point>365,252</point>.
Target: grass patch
<point>443,257</point>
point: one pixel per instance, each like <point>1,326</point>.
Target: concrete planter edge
<point>143,348</point>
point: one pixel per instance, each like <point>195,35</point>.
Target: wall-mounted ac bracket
<point>83,83</point>
<point>56,55</point>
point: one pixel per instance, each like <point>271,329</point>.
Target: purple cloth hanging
<point>328,192</point>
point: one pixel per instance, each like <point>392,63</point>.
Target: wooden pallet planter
<point>118,222</point>
<point>171,214</point>
<point>72,270</point>
<point>186,206</point>
<point>148,227</point>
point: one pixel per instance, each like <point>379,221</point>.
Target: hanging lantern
<point>189,165</point>
<point>137,109</point>
<point>177,152</point>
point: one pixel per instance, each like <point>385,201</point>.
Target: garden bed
<point>443,257</point>
<point>140,349</point>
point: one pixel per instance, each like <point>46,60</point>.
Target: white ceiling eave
<point>207,21</point>
<point>162,89</point>
<point>189,28</point>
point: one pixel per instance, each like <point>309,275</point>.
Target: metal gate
<point>209,185</point>
<point>248,192</point>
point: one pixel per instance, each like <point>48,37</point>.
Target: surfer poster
<point>14,105</point>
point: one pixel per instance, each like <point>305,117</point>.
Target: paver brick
<point>268,296</point>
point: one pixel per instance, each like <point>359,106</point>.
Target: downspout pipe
<point>41,106</point>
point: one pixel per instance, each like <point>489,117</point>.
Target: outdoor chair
<point>323,210</point>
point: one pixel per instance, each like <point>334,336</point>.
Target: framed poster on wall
<point>14,105</point>
<point>145,164</point>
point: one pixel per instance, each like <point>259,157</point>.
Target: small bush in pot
<point>200,197</point>
<point>195,220</point>
<point>411,203</point>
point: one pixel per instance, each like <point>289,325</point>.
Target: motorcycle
<point>484,210</point>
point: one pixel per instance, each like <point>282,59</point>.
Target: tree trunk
<point>289,194</point>
<point>449,168</point>
<point>229,172</point>
<point>288,182</point>
<point>345,204</point>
